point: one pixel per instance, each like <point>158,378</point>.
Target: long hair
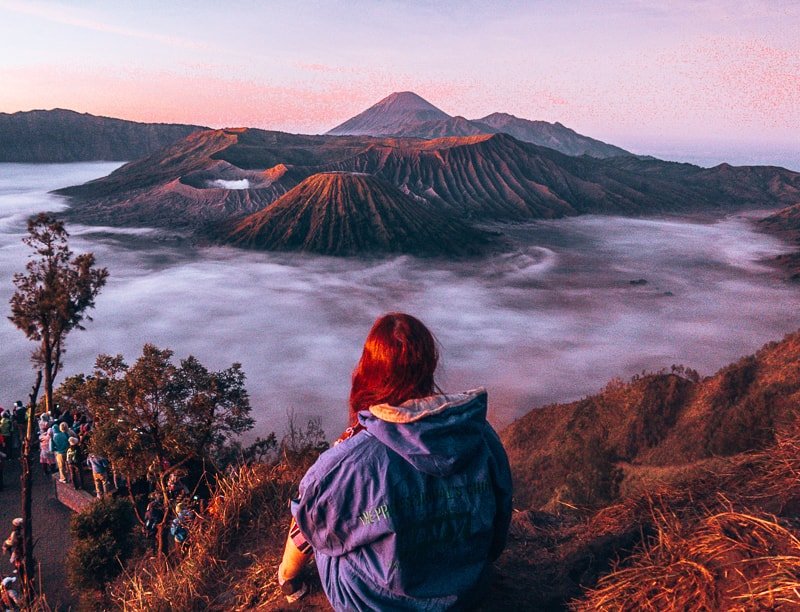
<point>396,365</point>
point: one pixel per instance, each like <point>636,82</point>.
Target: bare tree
<point>53,295</point>
<point>28,563</point>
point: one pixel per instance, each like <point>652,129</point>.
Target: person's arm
<point>296,554</point>
<point>292,563</point>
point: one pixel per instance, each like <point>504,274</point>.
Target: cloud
<point>67,16</point>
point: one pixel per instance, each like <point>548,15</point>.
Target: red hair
<point>397,364</point>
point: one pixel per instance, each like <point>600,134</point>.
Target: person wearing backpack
<point>75,463</point>
<point>180,525</point>
<point>413,504</point>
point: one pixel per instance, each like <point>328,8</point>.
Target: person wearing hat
<point>46,457</point>
<point>8,596</point>
<point>13,543</point>
<point>74,462</point>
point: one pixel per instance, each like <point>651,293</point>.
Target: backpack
<point>179,532</point>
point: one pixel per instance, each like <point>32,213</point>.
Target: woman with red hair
<point>412,504</point>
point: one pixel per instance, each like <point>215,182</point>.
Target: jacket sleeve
<point>503,491</point>
<point>314,511</point>
<point>334,499</point>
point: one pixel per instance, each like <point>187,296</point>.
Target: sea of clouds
<point>552,320</point>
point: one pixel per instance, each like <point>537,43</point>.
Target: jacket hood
<point>438,434</point>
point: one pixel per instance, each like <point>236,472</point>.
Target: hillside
<point>786,224</point>
<point>405,114</point>
<point>339,213</point>
<point>715,523</point>
<point>219,176</point>
<point>49,136</point>
<point>553,135</point>
<point>657,428</point>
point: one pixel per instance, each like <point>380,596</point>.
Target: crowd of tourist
<point>64,443</point>
<point>63,448</point>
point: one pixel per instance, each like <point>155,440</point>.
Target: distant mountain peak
<point>391,116</point>
<point>498,116</point>
<point>407,100</point>
<point>405,114</point>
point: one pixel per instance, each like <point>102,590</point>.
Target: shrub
<point>102,542</point>
<point>592,476</point>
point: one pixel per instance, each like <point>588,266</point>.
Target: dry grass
<point>712,552</point>
<point>726,561</point>
<point>211,572</point>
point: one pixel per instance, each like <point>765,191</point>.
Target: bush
<point>592,476</point>
<point>102,542</point>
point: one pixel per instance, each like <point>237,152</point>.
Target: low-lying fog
<point>552,321</point>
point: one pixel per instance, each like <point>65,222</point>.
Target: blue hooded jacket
<point>409,514</point>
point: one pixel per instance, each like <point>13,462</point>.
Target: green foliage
<point>156,413</point>
<point>592,476</point>
<point>102,541</point>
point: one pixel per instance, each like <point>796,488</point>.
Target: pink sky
<point>638,73</point>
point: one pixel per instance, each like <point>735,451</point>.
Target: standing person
<point>99,467</point>
<point>411,506</point>
<point>75,463</point>
<point>46,457</point>
<point>5,430</point>
<point>13,544</point>
<point>59,443</point>
<point>2,468</point>
<point>153,516</point>
<point>20,417</point>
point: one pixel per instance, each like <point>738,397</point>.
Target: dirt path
<point>50,530</point>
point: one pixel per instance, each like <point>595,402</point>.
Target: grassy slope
<point>707,478</point>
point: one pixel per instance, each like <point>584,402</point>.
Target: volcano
<point>553,135</point>
<point>343,213</point>
<point>396,114</point>
<point>407,115</point>
<point>220,176</point>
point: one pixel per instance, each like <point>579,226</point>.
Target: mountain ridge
<point>217,176</point>
<point>406,114</point>
<point>63,135</point>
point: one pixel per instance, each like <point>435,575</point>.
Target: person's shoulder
<point>362,449</point>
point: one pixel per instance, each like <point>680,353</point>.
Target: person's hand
<point>292,588</point>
